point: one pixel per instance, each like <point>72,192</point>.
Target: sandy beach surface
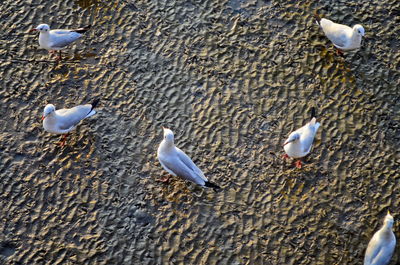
<point>231,78</point>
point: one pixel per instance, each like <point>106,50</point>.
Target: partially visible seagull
<point>299,142</point>
<point>63,121</point>
<point>381,247</point>
<point>177,163</point>
<point>58,39</point>
<point>343,37</point>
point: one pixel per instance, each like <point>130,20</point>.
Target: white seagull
<point>299,142</point>
<point>177,163</point>
<point>58,39</point>
<point>381,247</point>
<point>343,37</point>
<point>63,121</point>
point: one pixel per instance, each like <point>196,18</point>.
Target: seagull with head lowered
<point>63,121</point>
<point>343,37</point>
<point>299,142</point>
<point>177,163</point>
<point>58,39</point>
<point>381,247</point>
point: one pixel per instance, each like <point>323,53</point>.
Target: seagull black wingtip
<point>313,112</point>
<point>83,30</point>
<point>215,187</point>
<point>95,103</point>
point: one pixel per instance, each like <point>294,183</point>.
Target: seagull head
<point>359,30</point>
<point>50,108</point>
<point>42,28</point>
<point>168,136</point>
<point>389,220</point>
<point>294,136</point>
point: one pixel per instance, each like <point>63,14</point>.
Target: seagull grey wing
<point>307,144</point>
<point>165,167</point>
<point>339,38</point>
<point>307,138</point>
<point>189,163</point>
<point>383,256</point>
<point>69,118</point>
<point>60,31</point>
<point>64,39</point>
<point>372,251</point>
<point>180,169</point>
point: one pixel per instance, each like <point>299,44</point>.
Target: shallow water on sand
<point>232,79</point>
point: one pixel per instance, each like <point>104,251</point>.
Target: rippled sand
<point>231,79</point>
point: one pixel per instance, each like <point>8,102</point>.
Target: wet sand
<point>232,79</point>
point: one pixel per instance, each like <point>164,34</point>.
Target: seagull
<point>58,39</point>
<point>177,163</point>
<point>343,37</point>
<point>381,247</point>
<point>299,142</point>
<point>63,121</point>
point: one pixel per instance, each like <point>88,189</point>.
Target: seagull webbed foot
<point>298,164</point>
<point>63,140</point>
<point>339,52</point>
<point>163,180</point>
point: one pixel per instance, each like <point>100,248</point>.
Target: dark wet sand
<point>231,79</point>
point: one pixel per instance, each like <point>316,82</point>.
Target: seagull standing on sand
<point>299,142</point>
<point>63,121</point>
<point>381,247</point>
<point>177,163</point>
<point>58,39</point>
<point>343,37</point>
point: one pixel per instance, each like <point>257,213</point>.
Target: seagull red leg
<point>298,164</point>
<point>63,140</point>
<point>59,56</point>
<point>54,53</point>
<point>339,52</point>
<point>164,180</point>
<point>285,156</point>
